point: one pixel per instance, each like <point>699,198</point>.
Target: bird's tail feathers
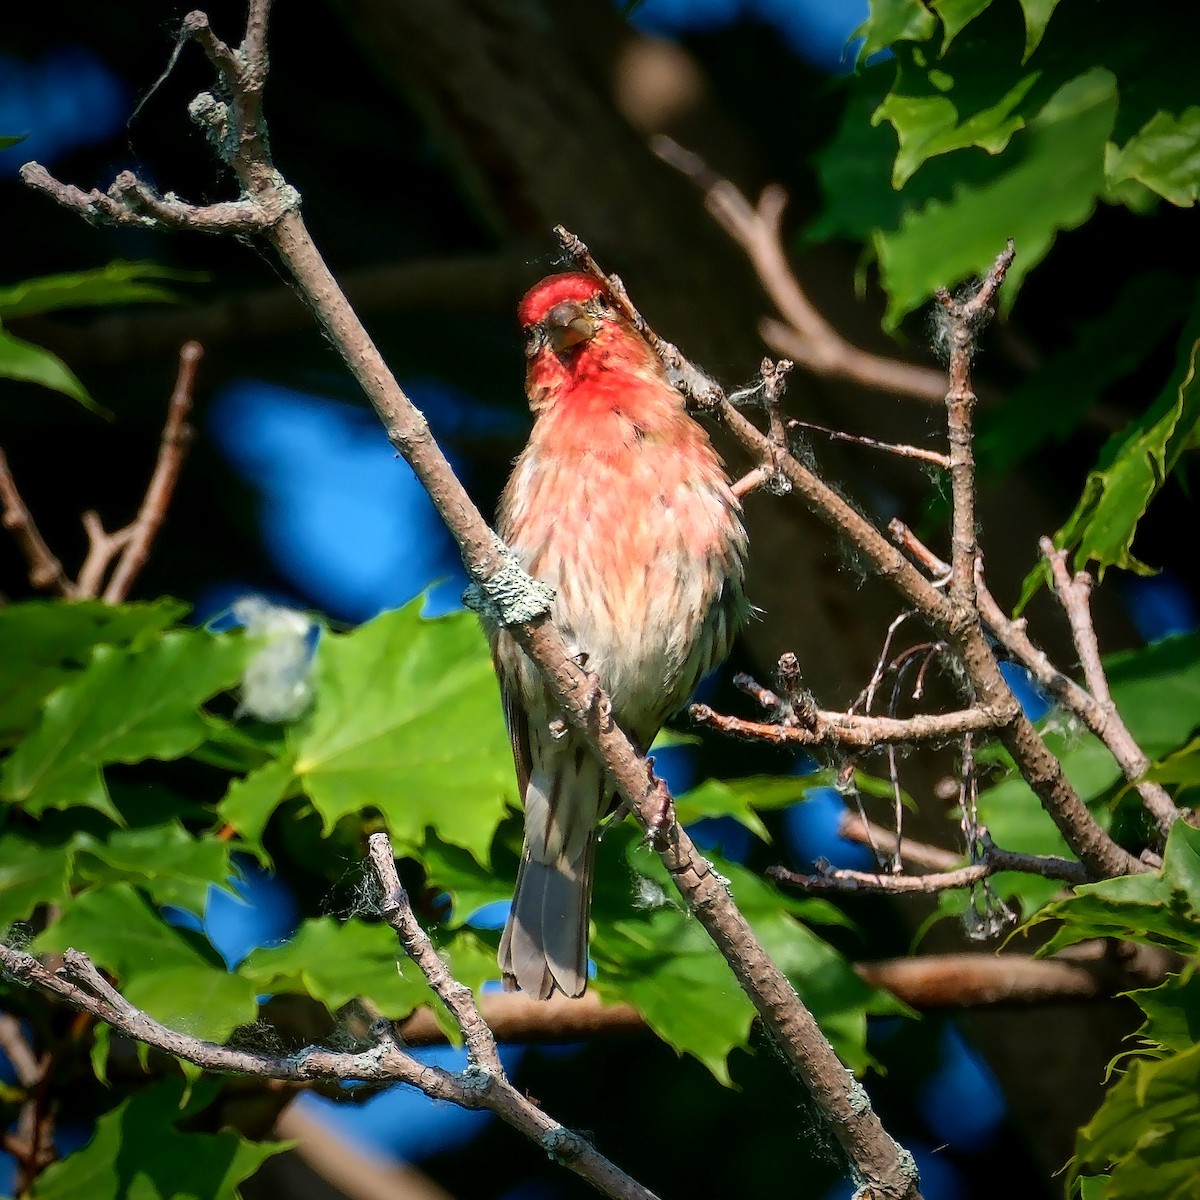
<point>544,947</point>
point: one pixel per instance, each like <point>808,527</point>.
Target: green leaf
<point>1133,467</point>
<point>1050,402</point>
<point>736,799</point>
<point>661,961</point>
<point>250,801</point>
<point>854,169</point>
<point>47,642</point>
<point>127,705</point>
<point>137,1153</point>
<point>665,966</point>
<point>947,241</point>
<point>894,21</point>
<point>239,746</point>
<point>12,140</point>
<point>934,113</point>
<point>457,872</point>
<point>30,875</point>
<point>171,973</point>
<point>728,797</point>
<point>1163,156</point>
<point>956,15</point>
<point>27,363</point>
<point>1172,1011</point>
<point>1147,1132</point>
<point>165,861</point>
<point>1037,17</point>
<point>335,963</point>
<point>1133,907</point>
<point>1157,690</point>
<point>1160,910</point>
<point>407,721</point>
<point>1182,767</point>
<point>117,283</point>
<point>1181,862</point>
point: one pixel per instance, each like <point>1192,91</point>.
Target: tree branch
<point>992,860</point>
<point>856,828</point>
<point>19,1052</point>
<point>173,447</point>
<point>130,546</point>
<point>471,283</point>
<point>45,571</point>
<point>807,337</point>
<point>961,319</point>
<point>1088,971</point>
<point>841,729</point>
<point>457,999</point>
<point>1074,593</point>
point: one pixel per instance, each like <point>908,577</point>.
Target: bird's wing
<point>518,733</point>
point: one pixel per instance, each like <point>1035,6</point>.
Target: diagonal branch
<point>173,447</point>
<point>459,1001</point>
<point>1074,593</point>
<point>45,570</point>
<point>804,335</point>
<point>130,546</point>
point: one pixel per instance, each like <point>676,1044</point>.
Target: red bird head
<point>577,341</point>
<point>562,311</point>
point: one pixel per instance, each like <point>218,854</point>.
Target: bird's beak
<point>568,325</point>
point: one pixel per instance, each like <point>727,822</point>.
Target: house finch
<point>620,503</point>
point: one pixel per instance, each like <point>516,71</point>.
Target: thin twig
<point>856,828</point>
<point>992,860</point>
<point>103,547</point>
<point>772,380</point>
<point>1106,723</point>
<point>939,569</point>
<point>173,446</point>
<point>753,479</point>
<point>807,337</point>
<point>396,910</point>
<point>968,800</point>
<point>867,696</point>
<point>45,571</point>
<point>1074,593</point>
<point>838,729</point>
<point>933,457</point>
<point>961,318</point>
<point>18,1051</point>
